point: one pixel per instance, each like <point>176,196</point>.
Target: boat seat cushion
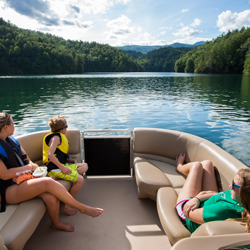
<point>166,201</point>
<point>154,174</point>
<point>155,153</point>
<point>219,228</point>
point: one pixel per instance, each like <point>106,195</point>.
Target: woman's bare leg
<point>53,204</point>
<point>200,177</point>
<point>193,183</point>
<point>209,180</point>
<point>35,187</point>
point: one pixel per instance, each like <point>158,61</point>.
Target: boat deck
<point>128,223</point>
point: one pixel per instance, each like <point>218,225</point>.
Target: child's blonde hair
<point>57,123</point>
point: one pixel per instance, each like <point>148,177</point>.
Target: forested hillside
<point>228,53</point>
<point>144,49</point>
<point>159,60</point>
<point>29,52</point>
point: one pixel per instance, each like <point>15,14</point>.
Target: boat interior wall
<point>107,156</point>
<point>108,152</point>
<point>155,153</point>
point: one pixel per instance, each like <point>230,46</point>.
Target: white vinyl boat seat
<point>155,152</point>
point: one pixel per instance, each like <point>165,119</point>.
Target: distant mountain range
<point>146,49</point>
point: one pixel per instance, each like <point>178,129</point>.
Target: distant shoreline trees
<point>159,60</point>
<point>228,53</point>
<point>25,52</point>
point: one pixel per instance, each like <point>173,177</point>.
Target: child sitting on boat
<point>55,157</point>
<point>200,202</point>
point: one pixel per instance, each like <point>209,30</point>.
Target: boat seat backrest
<point>168,144</point>
<point>34,145</point>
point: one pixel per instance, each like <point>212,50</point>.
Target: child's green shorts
<point>57,173</point>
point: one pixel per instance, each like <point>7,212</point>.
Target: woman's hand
<point>190,205</point>
<point>32,166</point>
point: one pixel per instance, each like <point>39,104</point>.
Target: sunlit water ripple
<point>215,107</point>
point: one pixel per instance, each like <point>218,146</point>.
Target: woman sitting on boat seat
<point>51,191</point>
<point>200,202</point>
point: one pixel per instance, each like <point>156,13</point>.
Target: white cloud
<point>166,28</point>
<point>190,40</point>
<point>87,6</point>
<point>122,21</point>
<point>187,34</point>
<point>197,22</point>
<point>184,10</point>
<point>120,27</point>
<point>230,21</point>
<point>186,31</point>
<point>64,18</point>
<point>121,31</point>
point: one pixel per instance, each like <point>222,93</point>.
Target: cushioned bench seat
<point>155,152</point>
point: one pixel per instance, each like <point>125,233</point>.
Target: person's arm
<point>71,160</point>
<point>30,162</point>
<point>7,174</point>
<point>191,209</point>
<point>53,143</point>
<point>196,215</point>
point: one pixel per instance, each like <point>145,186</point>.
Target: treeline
<point>159,60</point>
<point>228,53</point>
<point>29,52</point>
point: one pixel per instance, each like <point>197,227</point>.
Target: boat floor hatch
<point>107,155</point>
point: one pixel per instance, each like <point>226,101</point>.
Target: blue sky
<point>129,22</point>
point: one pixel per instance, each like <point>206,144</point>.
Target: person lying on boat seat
<point>55,157</point>
<point>199,200</point>
<point>49,190</point>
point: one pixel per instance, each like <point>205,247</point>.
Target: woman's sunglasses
<point>235,185</point>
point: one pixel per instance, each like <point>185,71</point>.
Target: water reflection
<point>215,107</point>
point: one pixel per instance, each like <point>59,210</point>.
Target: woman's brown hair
<point>244,175</point>
<point>5,119</point>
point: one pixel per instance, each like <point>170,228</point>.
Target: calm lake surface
<point>215,107</point>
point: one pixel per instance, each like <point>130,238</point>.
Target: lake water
<point>215,107</point>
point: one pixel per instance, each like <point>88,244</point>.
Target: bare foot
<point>63,226</point>
<point>180,159</point>
<point>92,211</point>
<point>69,210</point>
